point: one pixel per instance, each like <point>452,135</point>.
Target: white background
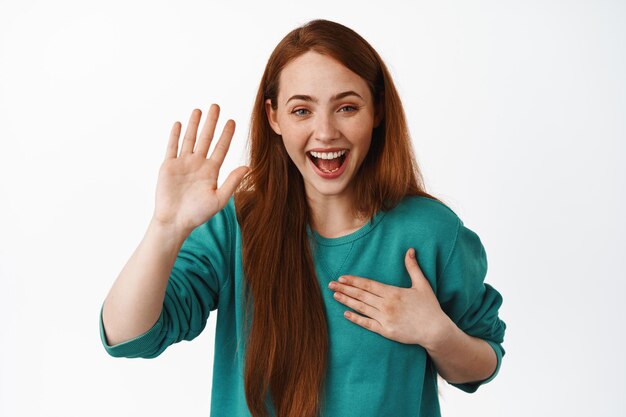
<point>517,113</point>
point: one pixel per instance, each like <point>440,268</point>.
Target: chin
<point>328,189</point>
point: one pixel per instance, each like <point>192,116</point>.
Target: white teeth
<point>328,155</point>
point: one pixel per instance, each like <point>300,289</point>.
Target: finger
<point>364,322</point>
<point>368,285</point>
<point>172,144</point>
<point>357,305</point>
<point>208,130</point>
<point>410,261</point>
<point>190,134</point>
<point>230,185</point>
<point>221,148</point>
<point>358,294</point>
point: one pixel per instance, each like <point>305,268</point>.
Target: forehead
<point>320,76</point>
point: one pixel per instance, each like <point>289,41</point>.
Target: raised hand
<point>187,194</point>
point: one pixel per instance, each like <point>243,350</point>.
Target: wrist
<point>444,332</point>
<point>167,232</point>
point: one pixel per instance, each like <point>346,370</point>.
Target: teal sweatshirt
<point>367,374</point>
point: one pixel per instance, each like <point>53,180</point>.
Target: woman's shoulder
<point>424,213</point>
<point>425,208</point>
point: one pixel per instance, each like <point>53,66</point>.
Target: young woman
<point>343,288</point>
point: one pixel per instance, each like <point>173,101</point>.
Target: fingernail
<point>412,253</point>
<point>341,279</point>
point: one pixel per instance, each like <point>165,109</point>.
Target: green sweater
<point>368,374</point>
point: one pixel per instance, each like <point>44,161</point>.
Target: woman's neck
<point>333,216</point>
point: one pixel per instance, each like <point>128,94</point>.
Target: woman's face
<point>325,115</point>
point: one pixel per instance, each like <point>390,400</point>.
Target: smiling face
<point>325,115</point>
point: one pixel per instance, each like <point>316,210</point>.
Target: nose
<point>325,128</point>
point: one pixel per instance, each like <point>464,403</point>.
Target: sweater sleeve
<point>200,271</point>
<point>471,303</point>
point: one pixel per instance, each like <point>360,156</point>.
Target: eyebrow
<point>314,100</point>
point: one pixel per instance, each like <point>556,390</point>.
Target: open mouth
<point>328,162</point>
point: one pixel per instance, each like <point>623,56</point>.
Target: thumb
<point>232,181</point>
<point>410,260</point>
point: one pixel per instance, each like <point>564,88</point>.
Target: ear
<point>380,110</point>
<point>271,116</point>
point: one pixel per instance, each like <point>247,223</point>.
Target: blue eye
<point>297,112</point>
<point>349,107</point>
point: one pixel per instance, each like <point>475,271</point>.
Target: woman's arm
<point>187,196</point>
<point>135,300</point>
<point>459,327</point>
<point>461,358</point>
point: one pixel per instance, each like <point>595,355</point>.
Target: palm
<point>187,194</point>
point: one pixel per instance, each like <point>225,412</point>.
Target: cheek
<point>365,141</point>
<point>293,139</point>
<point>294,149</point>
<point>361,130</point>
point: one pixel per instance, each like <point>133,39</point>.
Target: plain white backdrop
<point>517,113</point>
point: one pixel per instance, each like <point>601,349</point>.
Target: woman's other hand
<point>407,315</point>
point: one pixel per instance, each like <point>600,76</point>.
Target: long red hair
<point>287,343</point>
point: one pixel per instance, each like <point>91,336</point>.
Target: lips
<point>329,164</point>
